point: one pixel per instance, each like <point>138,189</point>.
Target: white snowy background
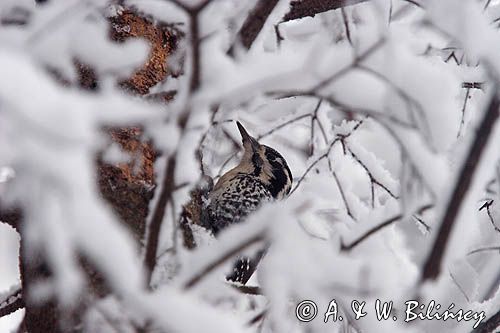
<point>370,107</point>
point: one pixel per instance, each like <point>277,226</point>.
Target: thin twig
<point>323,132</point>
<point>459,287</point>
<point>462,121</point>
<point>323,156</point>
<point>487,4</point>
<point>357,60</point>
<point>226,162</point>
<point>341,106</point>
<point>454,57</point>
<point>199,148</point>
<point>485,249</point>
<point>487,205</point>
<point>313,119</point>
<point>379,227</point>
<point>280,126</point>
<point>410,101</point>
<point>346,25</point>
<point>341,190</point>
<point>261,315</point>
<point>425,225</point>
<point>309,168</point>
<point>372,231</point>
<point>373,180</point>
<point>235,144</point>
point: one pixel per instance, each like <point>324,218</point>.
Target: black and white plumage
<point>240,196</point>
<point>262,175</point>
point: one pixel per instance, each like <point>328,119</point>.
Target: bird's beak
<point>246,138</point>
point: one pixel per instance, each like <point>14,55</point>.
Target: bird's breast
<point>235,199</point>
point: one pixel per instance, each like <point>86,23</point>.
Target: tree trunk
<point>127,187</point>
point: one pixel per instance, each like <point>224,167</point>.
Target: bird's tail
<point>244,267</point>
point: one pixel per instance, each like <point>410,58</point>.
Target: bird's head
<point>265,163</point>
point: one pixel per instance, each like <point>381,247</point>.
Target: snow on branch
<point>254,23</point>
<point>11,301</point>
<point>364,104</point>
<point>309,8</point>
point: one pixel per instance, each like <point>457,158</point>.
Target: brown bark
<point>38,317</point>
<point>162,40</point>
<point>127,187</point>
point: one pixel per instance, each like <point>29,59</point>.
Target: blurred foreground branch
<point>11,302</point>
<point>432,265</point>
<point>490,325</point>
<point>305,8</point>
<point>254,23</point>
<point>309,8</point>
<point>168,185</point>
<point>11,216</point>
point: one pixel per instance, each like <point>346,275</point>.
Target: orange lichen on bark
<point>140,167</point>
<point>128,187</point>
<point>129,24</point>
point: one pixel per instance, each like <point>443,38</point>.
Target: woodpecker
<point>262,175</point>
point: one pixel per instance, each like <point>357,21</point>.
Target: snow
<point>395,120</point>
